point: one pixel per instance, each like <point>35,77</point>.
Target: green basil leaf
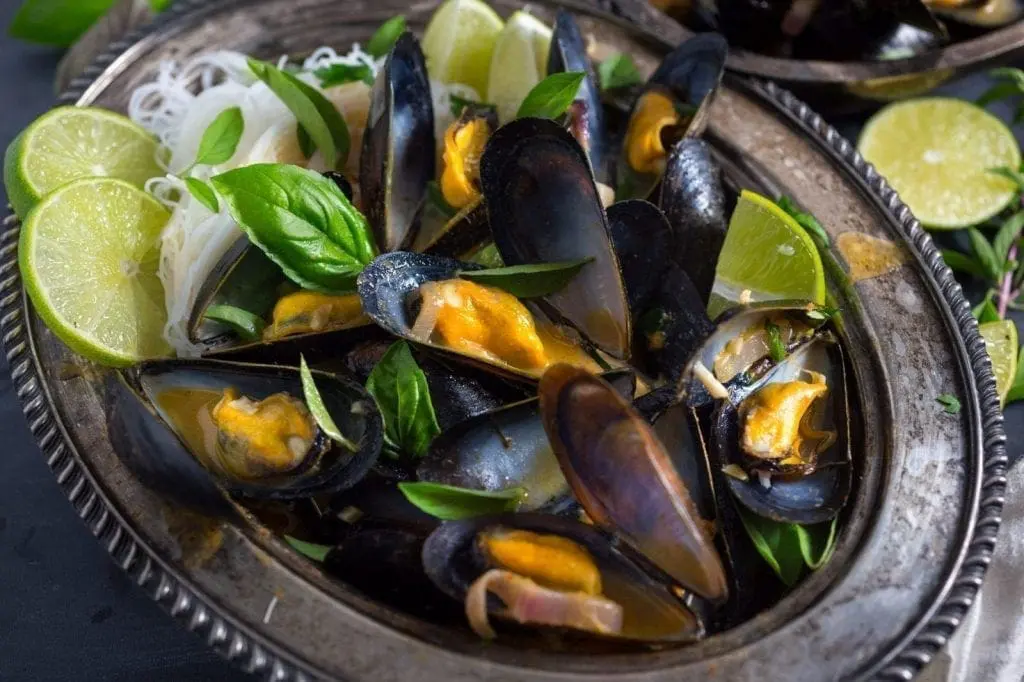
<point>1014,176</point>
<point>450,503</point>
<point>324,125</point>
<point>246,325</point>
<point>159,5</point>
<point>618,71</point>
<point>203,193</point>
<point>488,256</point>
<point>339,74</point>
<point>778,544</point>
<point>528,281</point>
<point>319,410</point>
<point>308,549</point>
<point>986,311</point>
<point>457,104</point>
<point>1009,73</point>
<point>997,92</point>
<point>302,221</point>
<point>1017,389</point>
<point>400,388</point>
<point>817,542</point>
<point>1006,236</point>
<point>56,22</point>
<point>552,96</point>
<point>220,140</point>
<point>776,348</point>
<point>386,36</point>
<point>949,402</point>
<point>306,145</point>
<point>961,262</point>
<point>805,220</point>
<point>985,254</point>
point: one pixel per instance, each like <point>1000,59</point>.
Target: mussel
<point>981,13</point>
<point>247,427</point>
<point>422,298</point>
<point>543,206</point>
<point>546,570</point>
<point>397,160</point>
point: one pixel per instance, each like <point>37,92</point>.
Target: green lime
<point>459,40</point>
<point>519,62</point>
<point>1001,343</point>
<point>767,254</point>
<point>89,254</point>
<point>69,143</point>
<point>937,153</point>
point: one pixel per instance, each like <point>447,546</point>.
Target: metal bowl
<point>917,537</point>
<point>845,87</point>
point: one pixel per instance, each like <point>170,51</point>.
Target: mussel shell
<point>986,14</point>
<point>398,160</point>
<point>352,409</point>
<point>810,498</point>
<point>569,53</point>
<point>694,201</point>
<point>459,236</point>
<point>377,502</point>
<point>863,25</point>
<point>643,243</point>
<point>625,479</point>
<point>452,562</point>
<point>544,207</point>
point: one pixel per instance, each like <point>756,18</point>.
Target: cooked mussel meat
<point>464,143</point>
<point>981,13</point>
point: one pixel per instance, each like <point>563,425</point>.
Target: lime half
<point>519,62</point>
<point>459,40</point>
<point>937,153</point>
<point>89,254</point>
<point>1001,343</point>
<point>70,143</point>
<point>767,254</point>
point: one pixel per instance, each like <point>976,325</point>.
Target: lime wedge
<point>767,254</point>
<point>936,152</point>
<point>89,253</point>
<point>519,62</point>
<point>459,40</point>
<point>70,143</point>
<point>1001,343</point>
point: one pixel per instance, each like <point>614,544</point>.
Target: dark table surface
<point>66,611</point>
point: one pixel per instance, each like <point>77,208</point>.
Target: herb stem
<point>1005,295</point>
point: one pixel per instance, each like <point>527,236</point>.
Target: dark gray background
<point>66,611</point>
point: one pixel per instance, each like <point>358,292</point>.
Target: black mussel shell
<point>544,207</point>
<point>695,204</point>
<point>984,14</point>
<point>643,243</point>
<point>863,25</point>
<point>803,498</point>
<point>376,502</point>
<point>459,236</point>
<point>753,24</point>
<point>331,469</point>
<point>625,480</point>
<point>398,159</point>
<point>453,562</point>
<point>569,53</point>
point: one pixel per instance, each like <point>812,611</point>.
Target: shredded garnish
<point>715,387</point>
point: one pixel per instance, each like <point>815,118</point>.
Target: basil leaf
<point>618,71</point>
<point>325,126</point>
<point>528,281</point>
<point>1017,389</point>
<point>319,410</point>
<point>450,503</point>
<point>308,549</point>
<point>776,348</point>
<point>306,145</point>
<point>220,140</point>
<point>159,5</point>
<point>1009,72</point>
<point>949,402</point>
<point>1006,236</point>
<point>778,544</point>
<point>246,325</point>
<point>961,262</point>
<point>339,74</point>
<point>302,221</point>
<point>386,36</point>
<point>805,220</point>
<point>203,193</point>
<point>457,104</point>
<point>488,256</point>
<point>817,542</point>
<point>997,92</point>
<point>985,254</point>
<point>56,22</point>
<point>552,96</point>
<point>400,388</point>
<point>986,311</point>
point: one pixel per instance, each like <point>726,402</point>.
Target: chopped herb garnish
<point>319,411</point>
<point>310,550</point>
<point>246,325</point>
<point>949,402</point>
<point>339,74</point>
<point>618,71</point>
<point>386,36</point>
<point>450,503</point>
<point>776,347</point>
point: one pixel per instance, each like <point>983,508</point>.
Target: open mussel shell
<point>543,208</point>
<point>652,611</point>
<point>586,116</point>
<point>398,160</point>
<point>864,26</point>
<point>795,498</point>
<point>459,236</point>
<point>625,480</point>
<point>181,391</point>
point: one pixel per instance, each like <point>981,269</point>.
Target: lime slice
<point>89,253</point>
<point>519,62</point>
<point>70,143</point>
<point>767,254</point>
<point>936,152</point>
<point>459,40</point>
<point>1001,343</point>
